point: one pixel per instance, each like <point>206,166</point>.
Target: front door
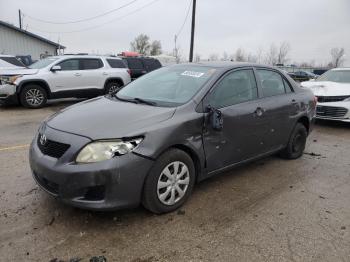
<point>244,131</point>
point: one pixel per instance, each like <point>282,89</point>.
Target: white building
<point>16,41</point>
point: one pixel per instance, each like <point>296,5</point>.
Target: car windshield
<point>168,86</point>
<point>43,63</point>
<point>340,76</point>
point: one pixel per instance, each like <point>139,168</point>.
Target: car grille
<point>331,111</point>
<point>52,148</point>
<point>325,99</point>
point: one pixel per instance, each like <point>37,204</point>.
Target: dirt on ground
<point>270,210</point>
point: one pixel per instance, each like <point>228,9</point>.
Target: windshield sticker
<point>192,74</point>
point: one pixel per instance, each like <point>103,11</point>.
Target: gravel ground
<point>270,210</point>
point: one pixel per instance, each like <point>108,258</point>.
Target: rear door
<point>93,76</point>
<point>278,106</point>
<point>244,131</point>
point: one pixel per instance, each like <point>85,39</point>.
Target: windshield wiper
<point>136,100</point>
<point>142,101</point>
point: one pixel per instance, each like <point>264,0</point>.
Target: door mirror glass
<point>56,68</point>
<point>216,119</point>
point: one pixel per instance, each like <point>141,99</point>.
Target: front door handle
<point>259,111</point>
<point>105,74</point>
<point>77,74</point>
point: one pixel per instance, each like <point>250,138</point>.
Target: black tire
<point>296,143</point>
<point>150,200</point>
<point>113,87</point>
<point>33,96</point>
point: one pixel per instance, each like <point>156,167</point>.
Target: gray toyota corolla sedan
<point>152,141</point>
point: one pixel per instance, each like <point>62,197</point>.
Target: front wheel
<point>169,183</point>
<point>33,96</point>
<point>296,144</point>
<point>112,87</point>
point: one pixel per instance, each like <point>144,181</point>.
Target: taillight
<point>129,71</point>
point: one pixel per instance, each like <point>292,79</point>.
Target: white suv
<point>81,76</point>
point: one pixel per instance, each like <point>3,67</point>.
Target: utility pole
<point>20,18</point>
<point>192,29</point>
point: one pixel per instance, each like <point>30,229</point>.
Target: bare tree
<point>214,57</point>
<point>240,55</point>
<point>156,48</point>
<point>141,44</point>
<point>259,55</point>
<point>197,58</point>
<point>225,56</point>
<point>272,55</point>
<point>283,51</point>
<point>252,58</point>
<point>337,56</point>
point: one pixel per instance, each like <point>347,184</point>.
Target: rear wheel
<point>112,87</point>
<point>33,96</point>
<point>296,144</point>
<point>169,183</point>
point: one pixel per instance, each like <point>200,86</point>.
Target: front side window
<point>236,87</point>
<point>90,64</point>
<point>168,86</point>
<point>271,83</point>
<point>68,65</point>
<point>43,63</point>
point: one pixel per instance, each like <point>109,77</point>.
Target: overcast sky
<point>311,27</point>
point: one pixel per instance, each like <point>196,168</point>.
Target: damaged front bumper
<point>8,94</point>
<point>107,185</point>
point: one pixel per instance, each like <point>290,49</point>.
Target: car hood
<point>105,118</point>
<point>325,88</point>
<point>18,71</point>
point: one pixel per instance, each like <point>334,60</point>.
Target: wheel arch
<point>114,79</point>
<point>304,120</point>
<point>39,82</point>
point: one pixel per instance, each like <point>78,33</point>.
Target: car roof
<point>341,69</point>
<point>85,56</point>
<point>7,56</point>
<point>228,64</point>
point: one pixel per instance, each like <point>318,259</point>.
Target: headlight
<point>104,150</point>
<point>12,79</point>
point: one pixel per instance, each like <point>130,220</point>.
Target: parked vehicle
<point>25,59</point>
<point>141,65</point>
<point>332,90</point>
<point>302,76</point>
<point>155,138</point>
<point>9,62</point>
<point>63,76</point>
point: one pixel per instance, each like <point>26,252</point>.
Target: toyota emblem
<point>43,139</point>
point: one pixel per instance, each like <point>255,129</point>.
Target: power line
<point>188,12</point>
<point>81,20</point>
<point>93,27</point>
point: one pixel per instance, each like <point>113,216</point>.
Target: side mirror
<point>216,119</point>
<point>56,68</point>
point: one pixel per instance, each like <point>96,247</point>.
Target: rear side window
<point>90,63</point>
<point>12,60</point>
<point>68,65</point>
<point>116,63</point>
<point>236,87</point>
<point>151,64</point>
<point>271,83</point>
<point>134,63</point>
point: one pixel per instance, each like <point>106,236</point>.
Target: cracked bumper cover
<point>115,183</point>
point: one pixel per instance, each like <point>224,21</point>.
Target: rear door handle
<point>259,111</point>
<point>77,74</point>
